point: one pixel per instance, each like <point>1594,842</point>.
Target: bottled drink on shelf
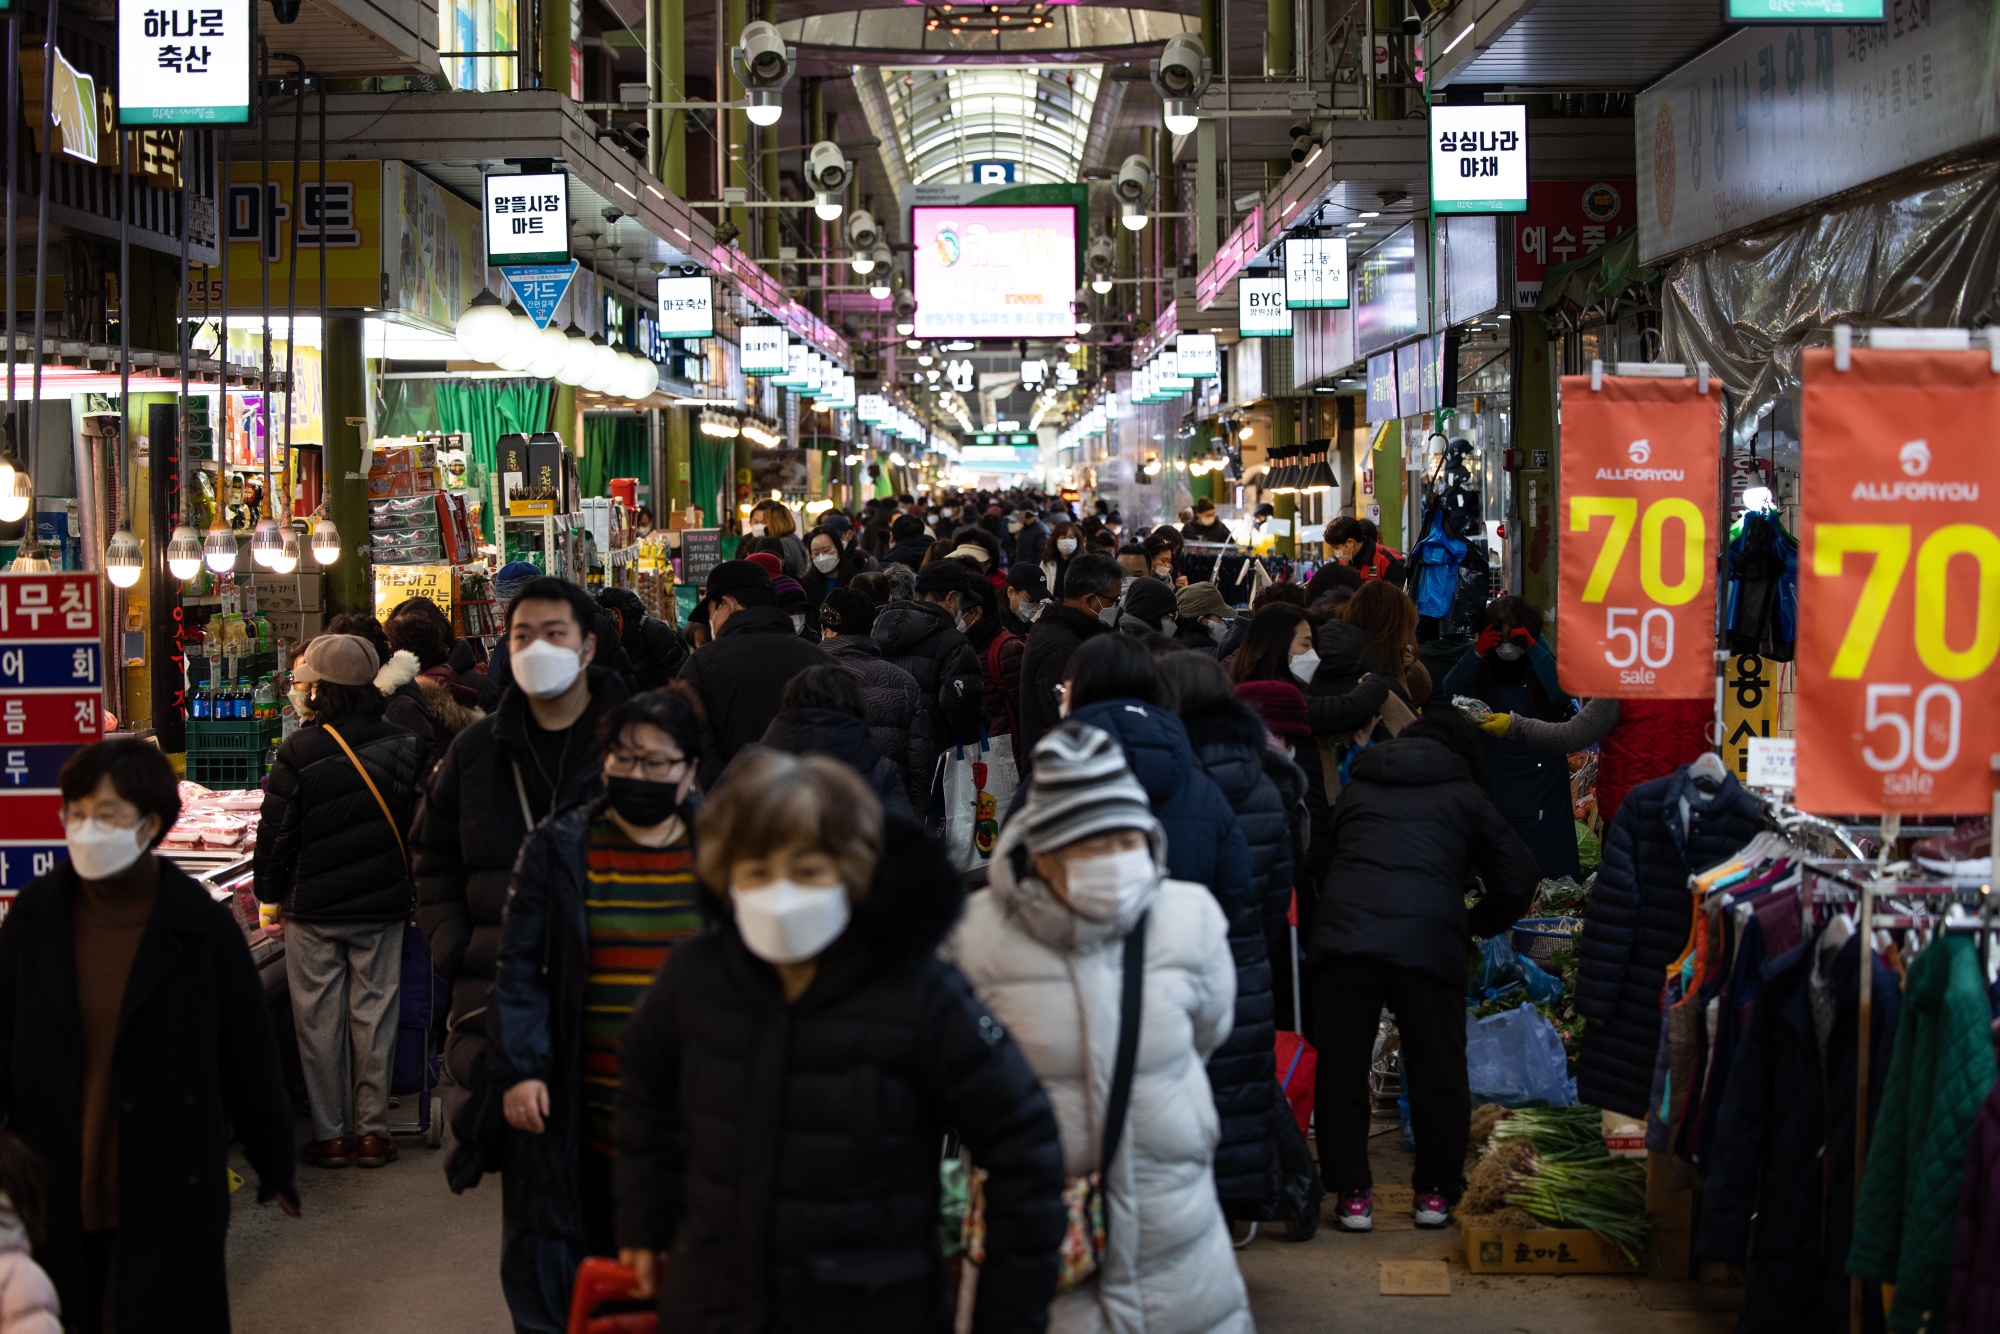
<point>265,701</point>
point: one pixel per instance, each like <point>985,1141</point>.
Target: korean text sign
<point>1899,583</point>
<point>1636,599</point>
<point>1479,158</point>
<point>1316,273</point>
<point>687,307</point>
<point>184,64</point>
<point>527,219</point>
<point>51,704</point>
<point>1260,308</point>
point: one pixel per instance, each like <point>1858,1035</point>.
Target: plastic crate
<point>225,771</point>
<point>232,736</point>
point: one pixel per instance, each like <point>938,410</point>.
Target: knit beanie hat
<point>769,560</point>
<point>788,591</point>
<point>1082,788</point>
<point>1280,704</point>
<point>513,577</point>
<point>1202,599</point>
<point>1149,599</point>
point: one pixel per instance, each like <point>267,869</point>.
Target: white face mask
<point>1218,630</point>
<point>1109,615</point>
<point>1164,573</point>
<point>798,623</point>
<point>99,850</point>
<point>1168,625</point>
<point>758,529</point>
<point>298,696</point>
<point>543,669</point>
<point>1305,664</point>
<point>788,922</point>
<point>1066,545</point>
<point>1104,889</point>
<point>825,563</point>
<point>1509,652</point>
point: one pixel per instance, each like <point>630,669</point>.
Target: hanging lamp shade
<point>325,541</point>
<point>184,553</point>
<point>485,330</point>
<point>123,560</point>
<point>31,557</point>
<point>1318,478</point>
<point>266,541</point>
<point>17,491</point>
<point>287,558</point>
<point>218,550</point>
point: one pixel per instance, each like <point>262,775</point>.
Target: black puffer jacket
<point>842,737</point>
<point>1228,741</point>
<point>1339,703</point>
<point>787,1155</point>
<point>1636,922</point>
<point>918,637</point>
<point>897,722</point>
<point>324,849</point>
<point>1057,634</point>
<point>1410,831</point>
<point>468,831</point>
<point>740,676</point>
<point>654,647</point>
<point>910,551</point>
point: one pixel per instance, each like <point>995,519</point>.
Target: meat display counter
<point>226,876</point>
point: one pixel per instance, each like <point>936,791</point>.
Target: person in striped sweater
<point>602,893</point>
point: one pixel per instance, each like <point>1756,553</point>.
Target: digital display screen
<point>995,271</point>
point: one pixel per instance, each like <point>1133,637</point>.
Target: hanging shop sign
<point>1636,586</point>
<point>539,287</point>
<point>1899,583</point>
<point>51,705</point>
<point>872,409</point>
<point>1197,356</point>
<point>1566,220</point>
<point>1261,311</point>
<point>1806,11</point>
<point>762,349</point>
<point>184,64</point>
<point>1316,272</point>
<point>798,368</point>
<point>687,307</point>
<point>430,253</point>
<point>1820,110</point>
<point>1382,387</point>
<point>527,218</point>
<point>1479,158</point>
<point>1391,294</point>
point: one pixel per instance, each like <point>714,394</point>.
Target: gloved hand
<point>1519,635</point>
<point>1489,639</point>
<point>1496,725</point>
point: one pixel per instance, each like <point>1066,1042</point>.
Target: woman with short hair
<point>787,1080</point>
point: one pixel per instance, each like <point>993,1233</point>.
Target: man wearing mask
<point>741,675</point>
<point>503,774</point>
<point>1031,539</point>
<point>610,652</point>
<point>922,636</point>
<point>1088,608</point>
<point>1356,543</point>
<point>1205,526</point>
<point>1027,592</point>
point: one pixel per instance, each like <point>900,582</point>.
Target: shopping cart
<point>423,1001</point>
<point>598,1281</point>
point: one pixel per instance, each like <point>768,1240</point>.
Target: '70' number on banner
<point>1647,637</point>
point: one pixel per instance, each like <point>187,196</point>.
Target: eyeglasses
<point>627,763</point>
<point>118,817</point>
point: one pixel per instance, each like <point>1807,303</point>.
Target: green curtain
<point>485,410</point>
<point>708,469</point>
<point>612,447</point>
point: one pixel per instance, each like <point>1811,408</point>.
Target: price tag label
<point>1774,762</point>
<point>1636,585</point>
<point>1899,583</point>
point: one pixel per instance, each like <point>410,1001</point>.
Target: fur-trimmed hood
<point>441,701</point>
<point>401,669</point>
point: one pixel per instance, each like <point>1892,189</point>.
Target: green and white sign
<point>527,218</point>
<point>1261,310</point>
<point>1806,11</point>
<point>1316,273</point>
<point>1479,159</point>
<point>763,348</point>
<point>185,64</point>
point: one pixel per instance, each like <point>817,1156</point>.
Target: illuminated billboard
<point>995,271</point>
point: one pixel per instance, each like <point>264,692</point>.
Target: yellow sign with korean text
<point>349,219</point>
<point>397,584</point>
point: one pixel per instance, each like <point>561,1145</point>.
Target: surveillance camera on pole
<point>1101,259</point>
<point>1304,144</point>
<point>862,234</point>
<point>827,172</point>
<point>882,274</point>
<point>763,65</point>
<point>1180,77</point>
<point>1134,189</point>
<point>906,311</point>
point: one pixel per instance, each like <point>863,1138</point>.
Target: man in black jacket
<point>1030,539</point>
<point>1411,829</point>
<point>653,646</point>
<point>501,776</point>
<point>741,674</point>
<point>921,636</point>
<point>1090,586</point>
<point>1205,527</point>
<point>911,542</point>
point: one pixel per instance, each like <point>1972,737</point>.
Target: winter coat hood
<point>1342,648</point>
<point>1410,762</point>
<point>401,669</point>
<point>446,677</point>
<point>1224,722</point>
<point>1155,744</point>
<point>906,623</point>
<point>828,732</point>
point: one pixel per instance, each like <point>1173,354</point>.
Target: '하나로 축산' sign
<point>184,64</point>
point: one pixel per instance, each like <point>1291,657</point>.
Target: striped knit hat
<point>1082,788</point>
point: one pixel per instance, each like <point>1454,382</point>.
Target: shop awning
<point>1609,274</point>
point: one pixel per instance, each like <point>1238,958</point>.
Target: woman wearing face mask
<point>603,893</point>
<point>833,566</point>
<point>332,849</point>
<point>1065,544</point>
<point>137,1042</point>
<point>1078,909</point>
<point>787,1079</point>
<point>1163,557</point>
<point>780,524</point>
<point>1513,672</point>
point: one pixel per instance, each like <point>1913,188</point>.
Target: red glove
<point>1489,639</point>
<point>1521,636</point>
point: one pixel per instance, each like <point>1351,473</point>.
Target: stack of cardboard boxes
<point>411,521</point>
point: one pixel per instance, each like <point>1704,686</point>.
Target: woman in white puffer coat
<point>1072,875</point>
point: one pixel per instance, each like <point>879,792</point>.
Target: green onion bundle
<point>1606,1195</point>
<point>1558,1134</point>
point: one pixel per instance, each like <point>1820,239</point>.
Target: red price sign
<point>1899,583</point>
<point>1636,585</point>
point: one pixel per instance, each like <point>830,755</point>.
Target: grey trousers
<point>345,982</point>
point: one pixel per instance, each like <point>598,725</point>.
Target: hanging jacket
<point>1761,588</point>
<point>1942,1071</point>
<point>1636,922</point>
<point>1436,558</point>
<point>1053,980</point>
<point>1530,786</point>
<point>1783,1168</point>
<point>1975,1275</point>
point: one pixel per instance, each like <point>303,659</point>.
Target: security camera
<point>1135,181</point>
<point>827,169</point>
<point>1182,69</point>
<point>1303,142</point>
<point>906,305</point>
<point>762,55</point>
<point>1102,256</point>
<point>1413,23</point>
<point>862,232</point>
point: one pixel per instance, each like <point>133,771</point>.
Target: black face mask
<point>641,801</point>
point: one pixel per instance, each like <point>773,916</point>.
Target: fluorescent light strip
<point>1456,40</point>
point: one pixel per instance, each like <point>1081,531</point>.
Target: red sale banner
<point>1899,583</point>
<point>1635,597</point>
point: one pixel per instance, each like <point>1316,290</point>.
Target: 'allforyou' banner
<point>1636,585</point>
<point>1899,583</point>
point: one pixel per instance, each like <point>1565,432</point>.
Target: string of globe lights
<point>494,333</point>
